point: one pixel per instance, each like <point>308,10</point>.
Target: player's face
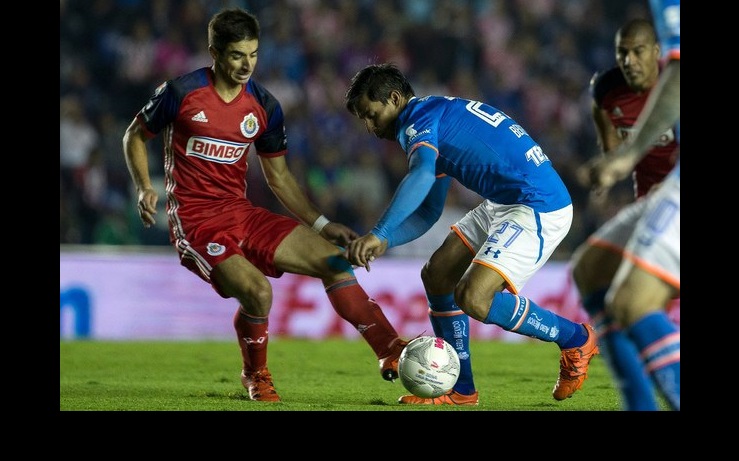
<point>379,118</point>
<point>236,64</point>
<point>638,57</point>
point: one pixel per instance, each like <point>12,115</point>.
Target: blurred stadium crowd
<point>531,58</point>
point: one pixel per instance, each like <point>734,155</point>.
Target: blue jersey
<point>667,25</point>
<point>666,15</point>
<point>483,149</point>
<point>478,145</point>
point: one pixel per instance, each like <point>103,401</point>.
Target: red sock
<point>353,304</point>
<point>253,337</point>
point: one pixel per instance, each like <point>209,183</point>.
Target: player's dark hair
<point>377,81</point>
<point>635,26</point>
<point>232,25</point>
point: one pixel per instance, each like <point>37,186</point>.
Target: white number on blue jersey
<point>494,119</point>
<point>536,155</point>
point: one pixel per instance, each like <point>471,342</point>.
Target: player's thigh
<point>593,266</point>
<point>635,293</point>
<point>237,278</point>
<point>307,253</point>
<point>443,270</point>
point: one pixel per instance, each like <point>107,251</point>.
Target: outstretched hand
<point>602,172</point>
<point>360,252</point>
<point>338,234</point>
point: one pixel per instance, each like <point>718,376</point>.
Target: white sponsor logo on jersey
<point>200,117</point>
<point>215,150</point>
<point>412,133</point>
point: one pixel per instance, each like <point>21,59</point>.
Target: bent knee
<point>427,275</point>
<point>437,278</point>
<point>474,302</point>
<point>255,298</point>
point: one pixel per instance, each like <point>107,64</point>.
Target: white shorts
<point>615,233</point>
<point>655,243</point>
<point>513,240</point>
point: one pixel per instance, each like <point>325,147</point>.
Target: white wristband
<point>320,223</point>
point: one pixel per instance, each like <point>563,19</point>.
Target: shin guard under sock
<point>253,337</point>
<point>452,324</point>
<point>621,357</point>
<point>658,342</point>
<point>523,316</point>
<point>352,303</point>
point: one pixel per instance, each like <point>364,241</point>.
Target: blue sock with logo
<point>523,316</point>
<point>452,324</point>
<point>621,357</point>
<point>658,342</point>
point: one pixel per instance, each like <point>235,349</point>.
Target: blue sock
<point>621,356</point>
<point>658,341</point>
<point>452,324</point>
<point>521,315</point>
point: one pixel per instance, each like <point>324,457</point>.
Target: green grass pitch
<point>310,375</point>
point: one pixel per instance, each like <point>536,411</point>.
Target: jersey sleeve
<point>160,110</point>
<point>604,81</point>
<point>411,193</point>
<point>425,216</point>
<point>273,142</point>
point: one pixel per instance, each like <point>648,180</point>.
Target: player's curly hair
<point>377,81</point>
<point>231,25</point>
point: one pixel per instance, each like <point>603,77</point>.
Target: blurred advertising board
<point>124,295</point>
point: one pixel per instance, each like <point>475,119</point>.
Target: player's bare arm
<point>607,135</point>
<point>608,139</point>
<point>134,150</point>
<point>287,190</point>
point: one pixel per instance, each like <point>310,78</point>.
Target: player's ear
<point>395,97</point>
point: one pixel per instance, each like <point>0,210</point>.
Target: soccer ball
<point>428,367</point>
